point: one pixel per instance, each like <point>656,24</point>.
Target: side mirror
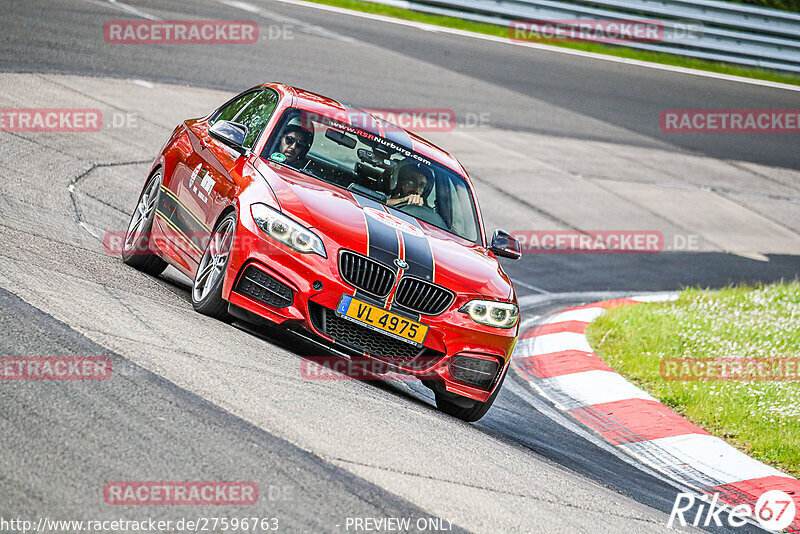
<point>506,245</point>
<point>232,134</point>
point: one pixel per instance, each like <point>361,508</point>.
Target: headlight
<point>492,313</point>
<point>283,229</point>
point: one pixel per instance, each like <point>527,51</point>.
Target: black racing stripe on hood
<point>384,245</point>
<point>418,252</point>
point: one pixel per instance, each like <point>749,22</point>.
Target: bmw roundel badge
<point>401,263</point>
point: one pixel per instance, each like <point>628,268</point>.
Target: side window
<point>231,109</point>
<point>256,115</point>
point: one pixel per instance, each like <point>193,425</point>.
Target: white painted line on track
<point>595,387</point>
<point>698,460</point>
<point>757,256</point>
<point>123,7</point>
<point>559,342</point>
<point>664,297</point>
<point>541,404</point>
<point>711,456</point>
<point>589,296</point>
<point>312,29</point>
<point>586,315</point>
<point>133,10</point>
<point>580,53</point>
<point>532,287</point>
<point>241,5</point>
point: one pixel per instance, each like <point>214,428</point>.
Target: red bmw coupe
<point>288,206</point>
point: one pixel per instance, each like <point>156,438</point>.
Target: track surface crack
<point>495,490</point>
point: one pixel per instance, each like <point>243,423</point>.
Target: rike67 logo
<point>775,510</point>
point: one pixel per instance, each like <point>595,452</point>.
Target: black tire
<point>471,413</point>
<point>136,246</point>
<point>207,287</point>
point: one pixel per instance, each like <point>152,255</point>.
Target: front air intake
<point>258,285</point>
<point>474,371</point>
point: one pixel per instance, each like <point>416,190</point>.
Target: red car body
<point>203,179</point>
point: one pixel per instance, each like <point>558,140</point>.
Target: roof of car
<point>367,121</point>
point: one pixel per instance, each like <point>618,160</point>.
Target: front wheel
<point>210,275</point>
<point>470,413</point>
<point>136,247</point>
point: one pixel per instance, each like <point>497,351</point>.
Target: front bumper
<point>274,282</point>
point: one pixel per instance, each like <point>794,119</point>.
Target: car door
<point>211,184</point>
<point>185,227</point>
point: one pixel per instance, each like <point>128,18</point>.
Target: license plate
<point>381,320</point>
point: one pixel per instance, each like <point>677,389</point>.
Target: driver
<point>294,145</point>
<point>412,181</point>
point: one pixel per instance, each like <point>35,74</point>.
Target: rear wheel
<point>210,275</point>
<point>464,409</point>
<point>136,247</point>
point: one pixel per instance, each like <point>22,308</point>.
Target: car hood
<point>361,224</point>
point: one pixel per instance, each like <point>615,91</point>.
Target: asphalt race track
<point>569,143</point>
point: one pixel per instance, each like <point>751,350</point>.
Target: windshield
<point>360,161</point>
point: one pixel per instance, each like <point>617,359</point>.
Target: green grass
<point>761,418</point>
<point>618,51</point>
<point>787,5</point>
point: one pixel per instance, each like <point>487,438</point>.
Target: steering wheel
<point>424,212</point>
<point>405,204</point>
<point>415,210</point>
